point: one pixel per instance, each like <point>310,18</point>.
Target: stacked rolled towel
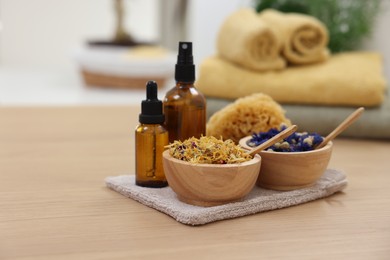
<point>269,40</point>
<point>347,79</point>
<point>317,89</point>
<point>248,41</point>
<point>304,37</point>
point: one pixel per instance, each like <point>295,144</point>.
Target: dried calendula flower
<point>208,150</point>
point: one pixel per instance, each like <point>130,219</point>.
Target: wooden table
<point>54,204</point>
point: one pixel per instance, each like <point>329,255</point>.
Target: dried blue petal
<point>297,141</point>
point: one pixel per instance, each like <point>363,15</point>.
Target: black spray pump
<point>185,68</point>
<point>151,108</point>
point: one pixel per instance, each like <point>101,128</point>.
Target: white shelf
<point>41,87</point>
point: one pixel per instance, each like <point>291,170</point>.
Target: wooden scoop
<point>341,127</point>
<point>285,133</point>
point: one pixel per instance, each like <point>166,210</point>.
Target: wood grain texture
<point>210,184</point>
<point>292,170</point>
<point>54,205</point>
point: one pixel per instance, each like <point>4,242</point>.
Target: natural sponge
<point>247,115</point>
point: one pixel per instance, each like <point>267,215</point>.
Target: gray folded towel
<point>258,200</point>
<point>374,123</point>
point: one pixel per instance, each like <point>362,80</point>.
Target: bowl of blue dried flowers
<point>292,163</point>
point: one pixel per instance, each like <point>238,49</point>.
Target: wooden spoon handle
<point>341,127</point>
<point>285,133</point>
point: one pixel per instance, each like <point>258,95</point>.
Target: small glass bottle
<point>184,105</point>
<point>150,139</point>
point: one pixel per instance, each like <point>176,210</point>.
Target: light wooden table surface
<point>54,204</point>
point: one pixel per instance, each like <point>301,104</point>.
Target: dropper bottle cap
<point>151,108</point>
<point>185,68</point>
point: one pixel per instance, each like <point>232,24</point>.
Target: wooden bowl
<point>210,184</point>
<point>291,170</point>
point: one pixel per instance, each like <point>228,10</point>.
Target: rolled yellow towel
<point>305,38</point>
<point>349,79</point>
<point>246,40</point>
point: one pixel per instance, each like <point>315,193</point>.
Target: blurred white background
<point>38,40</point>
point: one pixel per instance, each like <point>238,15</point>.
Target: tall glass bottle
<point>150,139</point>
<point>184,105</point>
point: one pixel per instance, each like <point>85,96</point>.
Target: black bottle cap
<point>151,108</point>
<point>185,68</point>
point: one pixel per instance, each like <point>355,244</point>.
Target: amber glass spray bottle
<point>184,105</point>
<point>150,139</point>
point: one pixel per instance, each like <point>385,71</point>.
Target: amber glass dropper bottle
<point>184,105</point>
<point>150,139</point>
